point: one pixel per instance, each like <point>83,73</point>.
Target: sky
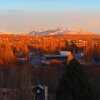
<point>27,15</point>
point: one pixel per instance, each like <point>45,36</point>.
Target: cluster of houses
<point>36,59</point>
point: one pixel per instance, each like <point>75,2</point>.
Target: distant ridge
<point>59,31</point>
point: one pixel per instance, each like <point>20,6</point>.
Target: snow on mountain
<point>58,31</point>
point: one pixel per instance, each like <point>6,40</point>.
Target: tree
<point>25,82</point>
<point>89,50</point>
<point>74,84</point>
<point>67,45</point>
<point>73,47</point>
<point>6,53</point>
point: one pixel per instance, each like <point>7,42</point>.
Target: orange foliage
<point>10,44</point>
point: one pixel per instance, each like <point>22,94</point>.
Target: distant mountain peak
<point>58,31</point>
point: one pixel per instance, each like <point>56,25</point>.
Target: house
<point>46,59</point>
<point>20,57</point>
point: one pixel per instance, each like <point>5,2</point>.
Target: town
<point>38,62</point>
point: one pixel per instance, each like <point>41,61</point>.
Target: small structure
<point>20,57</point>
<point>46,59</point>
<point>65,53</point>
<point>40,92</point>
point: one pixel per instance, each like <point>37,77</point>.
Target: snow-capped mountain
<point>58,31</point>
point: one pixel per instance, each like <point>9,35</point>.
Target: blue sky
<point>26,15</point>
<point>49,5</point>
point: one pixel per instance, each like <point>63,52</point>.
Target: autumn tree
<point>22,47</point>
<point>67,45</point>
<point>89,50</point>
<point>6,53</point>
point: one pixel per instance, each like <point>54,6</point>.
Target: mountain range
<point>58,31</point>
